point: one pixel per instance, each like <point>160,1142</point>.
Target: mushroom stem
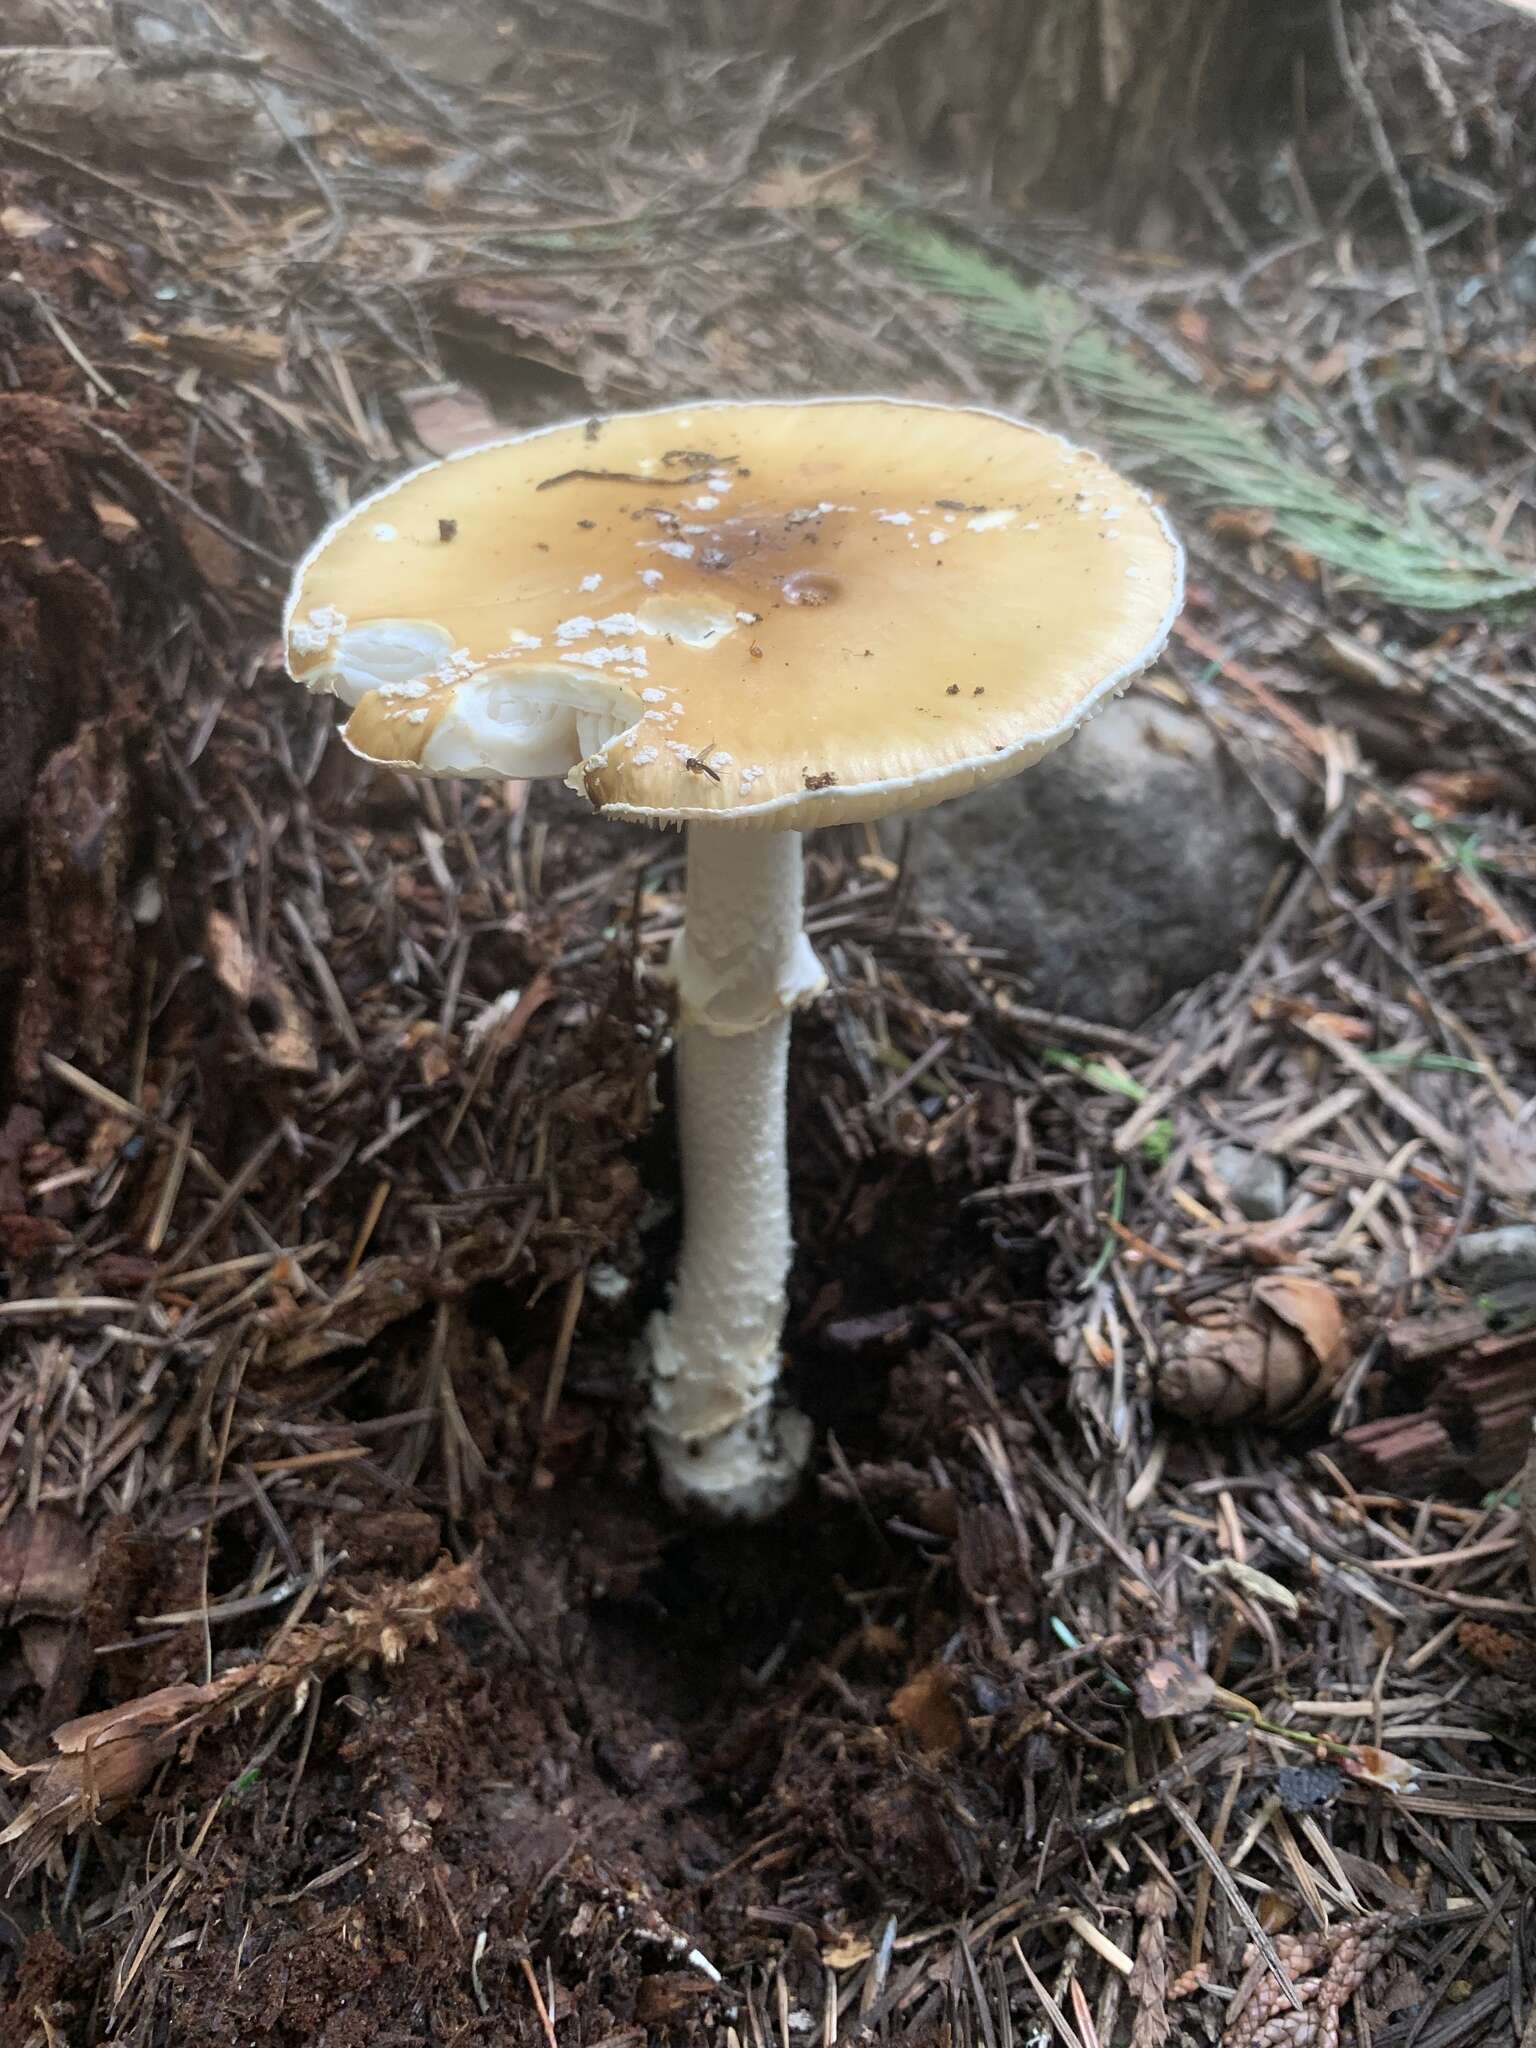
<point>741,965</point>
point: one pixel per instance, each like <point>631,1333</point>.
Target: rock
<point>1488,1259</point>
<point>1129,864</point>
<point>1257,1183</point>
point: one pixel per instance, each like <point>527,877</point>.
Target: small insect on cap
<point>780,614</point>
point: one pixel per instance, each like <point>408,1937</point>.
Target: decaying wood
<point>68,701</point>
<point>1477,1424</point>
<point>104,1759</point>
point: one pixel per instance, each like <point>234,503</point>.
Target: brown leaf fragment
<point>667,1993</point>
<point>1312,1310</point>
<point>1240,522</point>
<point>1329,367</point>
<point>1172,1684</point>
<point>925,1709</point>
<point>116,521</point>
<point>433,1060</point>
<point>1369,1765</point>
<point>389,144</point>
<point>23,223</point>
<point>94,1734</point>
<point>1303,562</point>
<point>446,418</point>
<point>44,1648</point>
<point>24,1237</point>
<point>1498,1649</point>
<point>790,187</point>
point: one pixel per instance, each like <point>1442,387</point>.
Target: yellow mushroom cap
<point>785,613</point>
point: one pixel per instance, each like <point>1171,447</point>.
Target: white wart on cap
<point>776,614</point>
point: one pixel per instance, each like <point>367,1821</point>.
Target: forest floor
<point>1150,1656</point>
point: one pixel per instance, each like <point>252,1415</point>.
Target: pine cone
<point>1275,1355</point>
<point>1327,1970</point>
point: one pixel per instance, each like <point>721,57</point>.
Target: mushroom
<point>750,619</point>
